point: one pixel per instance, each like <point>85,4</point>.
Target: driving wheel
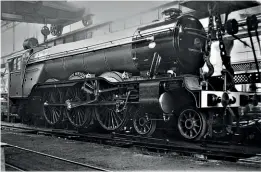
<point>52,113</point>
<point>108,116</point>
<point>79,116</point>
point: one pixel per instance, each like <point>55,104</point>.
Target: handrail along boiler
<point>144,79</point>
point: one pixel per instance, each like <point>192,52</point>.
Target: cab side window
<point>18,63</point>
<point>11,65</point>
<point>15,64</point>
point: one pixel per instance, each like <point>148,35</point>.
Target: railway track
<point>26,163</point>
<point>208,150</point>
<point>10,167</point>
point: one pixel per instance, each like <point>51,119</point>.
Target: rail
<point>15,168</point>
<point>210,149</point>
<point>59,158</point>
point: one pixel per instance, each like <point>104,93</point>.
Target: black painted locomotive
<point>152,76</point>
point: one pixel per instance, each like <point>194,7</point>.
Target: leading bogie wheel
<point>192,124</point>
<point>143,124</point>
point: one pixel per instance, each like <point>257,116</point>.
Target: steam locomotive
<point>151,76</point>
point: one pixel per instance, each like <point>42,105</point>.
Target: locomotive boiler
<point>177,44</point>
<point>151,76</point>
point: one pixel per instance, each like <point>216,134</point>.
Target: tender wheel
<point>52,114</point>
<point>143,125</point>
<point>107,116</point>
<point>192,124</point>
<point>80,116</point>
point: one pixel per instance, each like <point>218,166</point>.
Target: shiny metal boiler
<point>174,43</point>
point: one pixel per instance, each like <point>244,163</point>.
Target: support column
<point>13,36</point>
<point>8,84</point>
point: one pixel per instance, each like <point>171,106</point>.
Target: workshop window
<point>83,35</point>
<point>59,41</point>
<point>88,35</point>
<point>69,39</point>
<point>50,44</point>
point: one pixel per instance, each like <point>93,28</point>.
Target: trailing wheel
<point>192,124</point>
<point>52,114</point>
<point>143,124</point>
<point>22,112</point>
<point>108,116</point>
<point>79,116</point>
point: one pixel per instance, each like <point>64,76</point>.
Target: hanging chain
<point>222,48</point>
<point>225,58</point>
<point>210,29</point>
<point>208,43</point>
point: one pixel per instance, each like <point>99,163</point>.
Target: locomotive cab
<point>16,66</point>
